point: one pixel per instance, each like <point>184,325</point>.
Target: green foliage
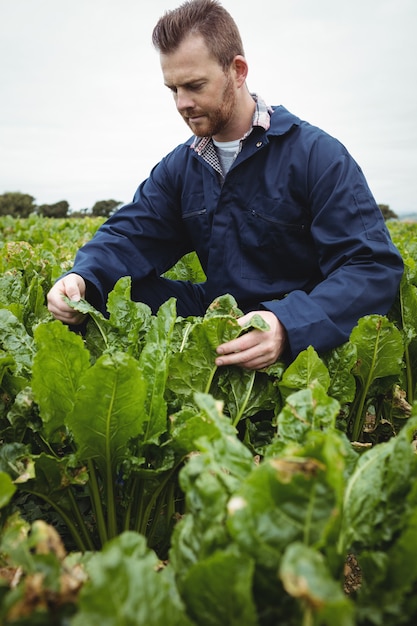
<point>126,588</point>
<point>197,494</point>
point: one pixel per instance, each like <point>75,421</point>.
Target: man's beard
<point>217,120</point>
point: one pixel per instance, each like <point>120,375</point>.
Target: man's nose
<point>184,100</point>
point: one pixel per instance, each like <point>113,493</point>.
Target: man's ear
<point>240,68</point>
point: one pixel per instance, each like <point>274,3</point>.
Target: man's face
<point>204,94</point>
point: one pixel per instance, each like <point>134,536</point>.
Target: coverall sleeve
<point>143,237</point>
<point>360,266</point>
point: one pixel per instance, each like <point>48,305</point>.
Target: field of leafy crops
<point>139,484</point>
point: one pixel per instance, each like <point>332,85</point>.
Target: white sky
<point>84,115</point>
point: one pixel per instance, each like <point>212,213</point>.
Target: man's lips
<point>193,119</point>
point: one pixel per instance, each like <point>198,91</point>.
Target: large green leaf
<point>380,522</point>
<point>293,497</point>
<point>129,320</point>
<point>219,590</point>
<point>60,361</point>
<point>245,393</point>
<point>305,410</point>
<point>192,369</point>
<point>375,501</point>
<point>389,576</point>
<point>108,410</point>
<point>306,368</point>
<point>340,363</point>
<point>126,588</point>
<point>379,348</point>
<point>153,362</point>
<point>208,480</point>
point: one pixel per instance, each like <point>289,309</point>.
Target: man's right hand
<point>72,286</point>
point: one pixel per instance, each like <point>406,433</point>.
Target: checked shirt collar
<point>204,146</point>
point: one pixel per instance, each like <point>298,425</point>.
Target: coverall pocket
<point>273,249</point>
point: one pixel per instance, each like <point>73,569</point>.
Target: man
<point>279,213</point>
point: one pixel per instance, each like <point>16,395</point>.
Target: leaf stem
<point>152,501</point>
<point>136,499</point>
<point>96,502</point>
<point>246,400</point>
<point>66,518</point>
<point>210,379</point>
<point>308,617</point>
<point>360,414</point>
<point>409,373</point>
<point>80,521</point>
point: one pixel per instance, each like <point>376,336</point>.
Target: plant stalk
<point>96,502</point>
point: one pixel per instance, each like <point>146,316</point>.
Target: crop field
<point>142,485</point>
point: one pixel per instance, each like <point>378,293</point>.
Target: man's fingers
<point>73,287</point>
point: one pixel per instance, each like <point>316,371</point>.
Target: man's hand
<point>257,348</point>
<point>72,286</point>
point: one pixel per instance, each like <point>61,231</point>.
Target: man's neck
<point>242,119</point>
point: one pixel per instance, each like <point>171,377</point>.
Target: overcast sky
<point>84,115</point>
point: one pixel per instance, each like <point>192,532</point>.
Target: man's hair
<point>200,17</point>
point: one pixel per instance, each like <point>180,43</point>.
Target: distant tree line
<point>19,204</point>
<point>387,213</point>
<point>22,205</point>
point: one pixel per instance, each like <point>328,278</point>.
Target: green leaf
<point>50,479</point>
<point>126,588</point>
<point>54,475</point>
<point>379,348</point>
<point>305,410</point>
<point>192,369</point>
<point>408,302</point>
<point>153,362</point>
<point>307,368</point>
<point>294,497</point>
<point>375,501</point>
<point>10,384</point>
<point>245,392</point>
<point>15,339</point>
<point>389,565</point>
<point>99,333</point>
<point>380,352</point>
<point>130,319</point>
<point>218,590</point>
<point>7,489</point>
<point>188,426</point>
<point>108,410</point>
<point>340,362</point>
<point>306,577</point>
<point>222,306</point>
<point>23,416</point>
<point>187,268</point>
<point>14,543</point>
<point>16,460</point>
<point>208,480</point>
<point>60,361</point>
